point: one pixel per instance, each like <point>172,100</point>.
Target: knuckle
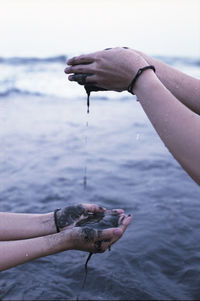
<point>80,69</point>
<point>95,64</point>
<point>71,70</point>
<point>81,58</point>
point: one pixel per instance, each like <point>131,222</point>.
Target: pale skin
<point>25,237</point>
<point>170,98</point>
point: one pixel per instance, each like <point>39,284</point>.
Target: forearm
<point>178,127</point>
<point>15,226</point>
<point>17,252</point>
<point>184,87</point>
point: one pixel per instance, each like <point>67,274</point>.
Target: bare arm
<point>13,253</point>
<point>184,87</point>
<point>178,127</point>
<point>14,226</point>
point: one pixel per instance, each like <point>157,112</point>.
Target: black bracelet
<point>56,221</point>
<point>130,87</point>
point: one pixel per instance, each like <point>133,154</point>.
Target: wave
<point>62,59</point>
<point>172,60</point>
<point>44,76</point>
<point>17,91</point>
<point>32,60</point>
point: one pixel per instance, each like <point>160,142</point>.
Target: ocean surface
<point>50,146</point>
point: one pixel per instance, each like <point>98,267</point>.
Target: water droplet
<point>137,136</point>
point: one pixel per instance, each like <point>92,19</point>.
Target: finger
<point>121,219</point>
<point>88,68</point>
<point>92,79</point>
<point>124,221</point>
<point>119,231</point>
<point>111,234</point>
<point>82,59</point>
<point>93,208</point>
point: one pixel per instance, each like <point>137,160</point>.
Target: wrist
<point>144,81</point>
<point>46,224</point>
<point>59,242</point>
<point>139,73</point>
<point>147,82</point>
<point>65,240</point>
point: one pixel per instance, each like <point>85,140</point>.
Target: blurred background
<point>50,148</point>
<point>48,27</point>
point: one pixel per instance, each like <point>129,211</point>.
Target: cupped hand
<point>97,241</point>
<point>70,215</point>
<point>111,69</point>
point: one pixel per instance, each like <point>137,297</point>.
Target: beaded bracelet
<point>130,87</point>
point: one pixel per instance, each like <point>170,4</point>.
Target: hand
<point>70,216</point>
<point>111,69</point>
<point>97,241</point>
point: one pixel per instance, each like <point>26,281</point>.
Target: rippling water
<point>43,159</point>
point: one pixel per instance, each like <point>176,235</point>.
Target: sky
<point>53,27</point>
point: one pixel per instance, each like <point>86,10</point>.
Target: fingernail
<point>121,220</point>
<point>67,70</point>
